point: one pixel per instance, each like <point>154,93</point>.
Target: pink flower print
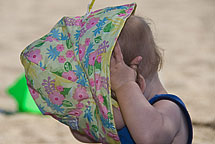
<point>114,136</point>
<point>90,16</point>
<point>69,35</point>
<point>78,22</point>
<point>128,11</point>
<point>87,131</point>
<point>92,22</point>
<point>101,99</point>
<point>80,94</point>
<point>60,47</point>
<point>87,41</point>
<point>103,129</point>
<point>28,82</point>
<point>42,68</point>
<point>98,81</point>
<point>56,98</point>
<point>82,24</point>
<point>61,59</point>
<point>75,112</point>
<point>79,105</point>
<point>33,93</point>
<point>70,76</point>
<point>104,111</point>
<point>35,56</point>
<point>75,59</point>
<point>96,11</point>
<point>81,51</point>
<point>49,38</point>
<point>99,59</point>
<point>121,14</point>
<point>92,58</point>
<point>92,82</point>
<point>69,54</point>
<point>59,88</point>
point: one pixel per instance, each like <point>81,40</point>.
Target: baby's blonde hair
<point>136,39</point>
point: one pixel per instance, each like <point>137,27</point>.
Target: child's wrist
<point>125,86</point>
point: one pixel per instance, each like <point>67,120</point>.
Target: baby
<point>71,70</point>
<point>149,113</point>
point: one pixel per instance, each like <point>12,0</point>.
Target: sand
<point>185,29</point>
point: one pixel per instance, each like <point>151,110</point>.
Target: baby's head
<point>136,39</point>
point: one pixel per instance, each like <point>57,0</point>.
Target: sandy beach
<point>185,29</point>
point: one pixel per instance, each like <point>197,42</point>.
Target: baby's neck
<point>154,87</point>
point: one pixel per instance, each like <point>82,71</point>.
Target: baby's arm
<point>147,124</point>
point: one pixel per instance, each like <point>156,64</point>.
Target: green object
<point>19,91</point>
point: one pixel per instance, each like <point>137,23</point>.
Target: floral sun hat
<point>68,74</point>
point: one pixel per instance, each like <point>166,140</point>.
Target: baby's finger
<point>133,66</point>
<point>136,60</point>
<point>118,53</point>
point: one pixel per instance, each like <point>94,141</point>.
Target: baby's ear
<point>141,82</point>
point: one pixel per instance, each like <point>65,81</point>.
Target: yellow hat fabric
<point>68,74</point>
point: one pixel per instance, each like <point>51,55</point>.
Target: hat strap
<point>89,8</point>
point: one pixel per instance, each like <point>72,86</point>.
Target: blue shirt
<point>125,137</point>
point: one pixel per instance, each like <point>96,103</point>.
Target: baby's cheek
<point>119,122</point>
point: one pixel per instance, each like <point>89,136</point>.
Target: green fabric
<point>19,91</point>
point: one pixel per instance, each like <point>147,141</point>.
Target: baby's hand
<point>120,72</point>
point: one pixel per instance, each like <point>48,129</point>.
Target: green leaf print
<point>69,44</point>
<point>90,70</point>
<point>40,92</point>
<point>59,73</point>
<point>44,37</point>
<point>68,66</point>
<point>67,103</point>
<point>95,128</point>
<point>95,112</point>
<point>65,91</point>
<point>98,39</point>
<point>122,12</point>
<point>110,115</point>
<point>43,97</point>
<point>39,45</point>
<point>97,65</point>
<point>30,80</point>
<point>105,101</point>
<point>108,27</point>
